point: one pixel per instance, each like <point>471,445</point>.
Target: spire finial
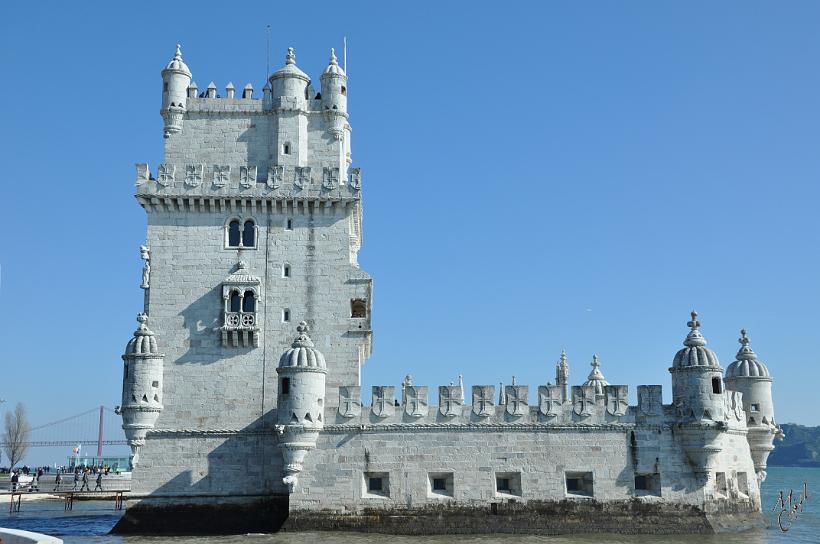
<point>178,54</point>
<point>291,56</point>
<point>142,319</point>
<point>744,338</point>
<point>333,56</point>
<point>563,359</point>
<point>302,340</point>
<point>302,328</point>
<point>694,324</point>
<point>595,363</point>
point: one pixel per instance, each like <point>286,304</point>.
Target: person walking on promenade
<point>76,479</point>
<point>15,478</point>
<point>99,481</point>
<point>85,481</point>
<point>57,481</point>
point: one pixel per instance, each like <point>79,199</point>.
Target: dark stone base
<point>533,517</point>
<point>239,515</point>
<point>203,516</point>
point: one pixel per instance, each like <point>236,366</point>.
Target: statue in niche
<point>145,255</point>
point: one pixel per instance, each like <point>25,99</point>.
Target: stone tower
<point>254,225</point>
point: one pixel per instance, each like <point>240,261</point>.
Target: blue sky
<point>538,176</point>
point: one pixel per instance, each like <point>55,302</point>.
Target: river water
<point>91,520</point>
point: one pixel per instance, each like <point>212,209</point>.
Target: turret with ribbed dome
<point>141,386</point>
<point>176,77</point>
<point>300,408</point>
<point>289,81</point>
<point>751,377</point>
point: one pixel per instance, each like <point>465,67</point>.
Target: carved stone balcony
<point>240,328</point>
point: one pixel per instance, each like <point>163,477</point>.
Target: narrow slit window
<point>286,149</point>
<point>286,271</point>
<point>285,389</point>
<point>289,224</point>
<point>285,315</point>
<point>716,386</point>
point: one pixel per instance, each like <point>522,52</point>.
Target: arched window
<point>233,233</point>
<point>249,234</point>
<point>344,90</point>
<point>236,301</point>
<point>249,302</point>
<point>716,386</point>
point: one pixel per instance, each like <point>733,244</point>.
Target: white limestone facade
<point>250,421</point>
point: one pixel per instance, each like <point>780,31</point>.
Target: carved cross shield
<point>617,401</point>
<point>449,400</point>
<point>222,175</point>
<point>483,400</point>
<point>166,174</point>
<point>193,175</point>
<point>330,178</point>
<point>415,400</point>
<point>550,399</point>
<point>302,176</point>
<point>383,401</point>
<point>583,400</point>
<point>350,401</point>
<point>650,400</point>
<point>275,176</point>
<point>517,399</point>
<point>247,176</point>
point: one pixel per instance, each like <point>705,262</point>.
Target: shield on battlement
<point>383,400</point>
<point>650,402</point>
<point>583,400</point>
<point>450,400</point>
<point>517,399</point>
<point>350,401</point>
<point>617,401</point>
<point>550,399</point>
<point>415,400</point>
<point>483,400</point>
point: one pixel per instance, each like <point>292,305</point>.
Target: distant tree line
<point>800,448</point>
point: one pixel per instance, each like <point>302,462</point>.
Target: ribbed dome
<point>290,69</point>
<point>746,365</point>
<point>695,353</point>
<point>144,342</point>
<point>301,353</point>
<point>176,63</point>
<point>596,378</point>
<point>333,67</point>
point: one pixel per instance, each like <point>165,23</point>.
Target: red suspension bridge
<point>99,426</point>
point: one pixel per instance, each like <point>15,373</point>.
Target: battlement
<point>246,182</point>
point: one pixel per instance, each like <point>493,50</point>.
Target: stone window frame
<point>288,223</point>
<point>652,485</point>
<point>513,484</point>
<point>447,492</point>
<point>586,490</point>
<point>368,493</point>
<point>287,148</point>
<point>287,270</point>
<point>242,220</point>
<point>742,479</point>
<point>287,315</point>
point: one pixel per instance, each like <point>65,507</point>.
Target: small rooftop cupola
<point>176,77</point>
<point>300,405</point>
<point>141,386</point>
<point>750,377</point>
<point>289,82</point>
<point>596,378</point>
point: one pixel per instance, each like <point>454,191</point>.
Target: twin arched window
<point>240,303</point>
<point>241,234</point>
